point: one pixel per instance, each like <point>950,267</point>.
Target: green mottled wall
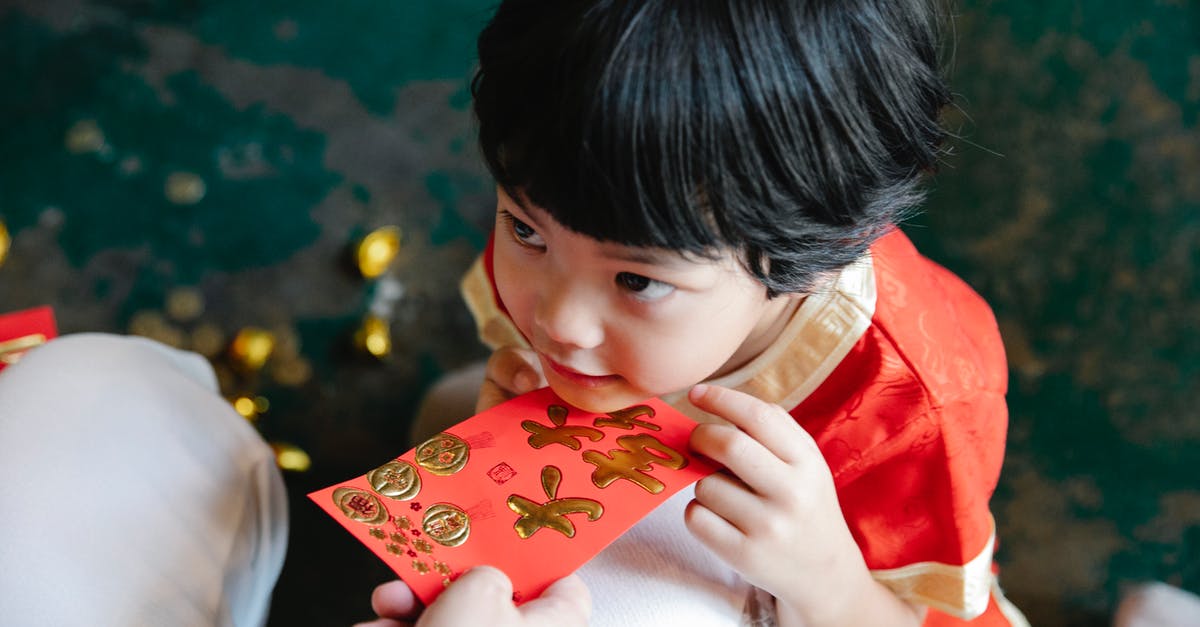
<point>1071,204</point>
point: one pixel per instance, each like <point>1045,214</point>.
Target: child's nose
<point>568,317</point>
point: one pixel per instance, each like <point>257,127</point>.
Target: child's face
<point>614,325</point>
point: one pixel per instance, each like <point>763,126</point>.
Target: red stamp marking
<point>501,473</point>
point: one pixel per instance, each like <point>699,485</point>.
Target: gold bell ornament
<point>251,348</point>
<point>291,457</point>
<point>375,253</point>
<point>5,242</point>
<point>374,337</point>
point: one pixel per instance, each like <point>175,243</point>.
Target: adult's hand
<point>483,596</point>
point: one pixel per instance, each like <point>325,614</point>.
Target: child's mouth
<point>578,378</point>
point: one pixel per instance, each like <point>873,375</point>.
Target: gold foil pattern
<point>396,480</point>
<point>628,418</point>
<point>559,433</point>
<point>360,506</point>
<point>633,461</point>
<point>444,454</point>
<point>553,513</point>
<point>446,524</point>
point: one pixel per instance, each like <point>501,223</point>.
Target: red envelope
<point>23,330</point>
<point>532,487</point>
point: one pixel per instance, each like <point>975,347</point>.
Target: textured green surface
<point>1072,204</point>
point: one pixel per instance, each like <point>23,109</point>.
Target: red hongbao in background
<point>22,330</point>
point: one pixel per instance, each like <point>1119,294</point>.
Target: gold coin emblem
<point>360,506</point>
<point>396,480</point>
<point>446,524</point>
<point>443,454</point>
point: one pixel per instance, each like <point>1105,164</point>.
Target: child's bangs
<point>603,141</point>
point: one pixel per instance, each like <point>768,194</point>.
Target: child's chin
<point>599,401</point>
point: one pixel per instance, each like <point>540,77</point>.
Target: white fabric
<point>132,493</point>
<point>1158,605</point>
<point>657,573</point>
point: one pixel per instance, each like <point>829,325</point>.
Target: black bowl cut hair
<point>794,132</point>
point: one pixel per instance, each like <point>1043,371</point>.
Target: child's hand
<point>510,372</point>
<point>773,513</point>
<point>482,596</point>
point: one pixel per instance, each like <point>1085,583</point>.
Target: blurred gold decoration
<point>85,136</point>
<point>291,457</point>
<point>251,408</point>
<point>374,337</point>
<point>377,250</point>
<point>185,304</point>
<point>251,348</point>
<point>208,339</point>
<point>291,371</point>
<point>152,324</point>
<point>185,188</point>
<point>287,343</point>
<point>244,405</point>
<point>5,242</point>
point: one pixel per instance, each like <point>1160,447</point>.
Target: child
<point>707,191</point>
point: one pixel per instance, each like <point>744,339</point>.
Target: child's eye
<point>523,232</point>
<point>644,288</point>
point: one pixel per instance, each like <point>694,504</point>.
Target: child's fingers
<point>719,535</point>
<point>768,424</point>
<point>514,370</point>
<point>509,372</point>
<point>731,499</point>
<point>743,456</point>
<point>490,395</point>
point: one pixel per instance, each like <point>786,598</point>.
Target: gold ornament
<point>152,324</point>
<point>85,136</point>
<point>291,371</point>
<point>251,348</point>
<point>251,408</point>
<point>293,458</point>
<point>207,339</point>
<point>374,337</point>
<point>5,242</point>
<point>244,405</point>
<point>377,250</point>
<point>185,304</point>
<point>184,188</point>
